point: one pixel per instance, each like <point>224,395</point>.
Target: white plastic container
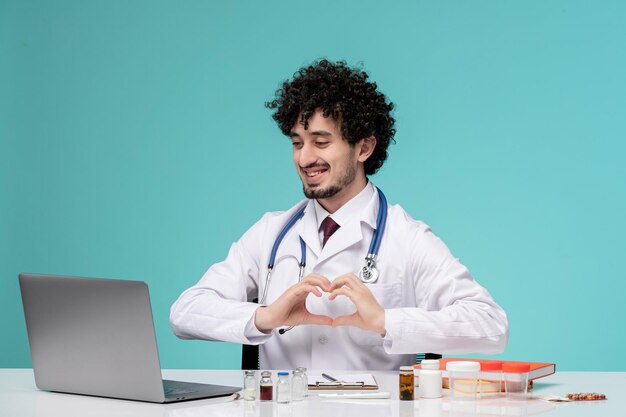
<point>463,376</point>
<point>431,364</point>
<point>429,379</point>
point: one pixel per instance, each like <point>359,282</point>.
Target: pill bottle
<point>416,376</point>
<point>266,386</point>
<point>430,379</point>
<point>516,379</point>
<point>406,383</point>
<point>463,376</point>
<point>490,383</point>
<point>249,386</point>
<point>432,364</point>
<point>297,386</point>
<point>283,388</point>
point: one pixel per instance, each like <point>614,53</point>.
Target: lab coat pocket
<point>388,295</point>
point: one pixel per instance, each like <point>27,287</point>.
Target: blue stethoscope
<point>368,273</point>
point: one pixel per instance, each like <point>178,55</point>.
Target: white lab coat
<point>431,302</point>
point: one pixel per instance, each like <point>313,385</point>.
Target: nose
<point>306,155</point>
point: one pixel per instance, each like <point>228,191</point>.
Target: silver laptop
<point>96,337</point>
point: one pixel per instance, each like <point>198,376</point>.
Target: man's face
<point>326,162</point>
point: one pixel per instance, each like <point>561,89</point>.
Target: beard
<point>320,193</point>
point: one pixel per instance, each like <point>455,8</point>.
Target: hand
<point>369,315</point>
<point>290,308</point>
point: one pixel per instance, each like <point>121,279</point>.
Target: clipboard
<point>343,382</point>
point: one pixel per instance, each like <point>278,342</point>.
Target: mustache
<point>316,165</point>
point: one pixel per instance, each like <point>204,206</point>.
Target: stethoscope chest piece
<point>369,273</point>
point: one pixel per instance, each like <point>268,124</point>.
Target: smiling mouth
<point>313,174</point>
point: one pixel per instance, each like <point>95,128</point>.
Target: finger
<point>305,289</point>
<point>340,291</point>
<point>317,319</point>
<point>348,320</point>
<point>318,280</point>
<point>349,280</point>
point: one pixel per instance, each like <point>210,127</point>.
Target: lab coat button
<point>323,340</point>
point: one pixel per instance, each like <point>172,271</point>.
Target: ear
<point>365,148</point>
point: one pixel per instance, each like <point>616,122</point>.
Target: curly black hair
<point>343,93</point>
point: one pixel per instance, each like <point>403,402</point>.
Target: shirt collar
<point>351,210</point>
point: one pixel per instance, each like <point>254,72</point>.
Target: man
<point>424,300</point>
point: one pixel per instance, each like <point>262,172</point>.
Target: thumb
<point>349,320</point>
<point>318,319</point>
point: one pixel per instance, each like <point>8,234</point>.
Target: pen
<point>330,378</point>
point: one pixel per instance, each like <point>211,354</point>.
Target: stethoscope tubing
<point>370,259</point>
<point>381,222</point>
<point>297,216</point>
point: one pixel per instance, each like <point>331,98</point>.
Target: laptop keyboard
<point>177,388</point>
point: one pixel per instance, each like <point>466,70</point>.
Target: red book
<point>537,369</point>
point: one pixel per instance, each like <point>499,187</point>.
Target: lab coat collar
<point>369,211</point>
<point>352,232</point>
<point>307,229</point>
<point>348,211</point>
<point>346,236</point>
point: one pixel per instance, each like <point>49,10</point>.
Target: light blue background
<point>134,144</point>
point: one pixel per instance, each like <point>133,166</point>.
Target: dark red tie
<point>329,226</point>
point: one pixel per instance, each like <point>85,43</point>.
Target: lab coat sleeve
<point>454,314</point>
<point>217,307</point>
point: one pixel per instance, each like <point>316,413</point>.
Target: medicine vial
<point>406,383</point>
<point>430,379</point>
<point>266,386</point>
<point>249,386</point>
<point>297,386</point>
<point>283,388</point>
<point>306,380</point>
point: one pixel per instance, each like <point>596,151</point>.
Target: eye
<point>296,144</point>
<point>321,143</point>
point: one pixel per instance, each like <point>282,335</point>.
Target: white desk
<point>19,397</point>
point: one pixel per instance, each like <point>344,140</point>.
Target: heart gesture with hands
<point>290,308</point>
<point>369,314</point>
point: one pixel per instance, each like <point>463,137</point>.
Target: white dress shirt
<point>346,212</point>
<point>431,302</point>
